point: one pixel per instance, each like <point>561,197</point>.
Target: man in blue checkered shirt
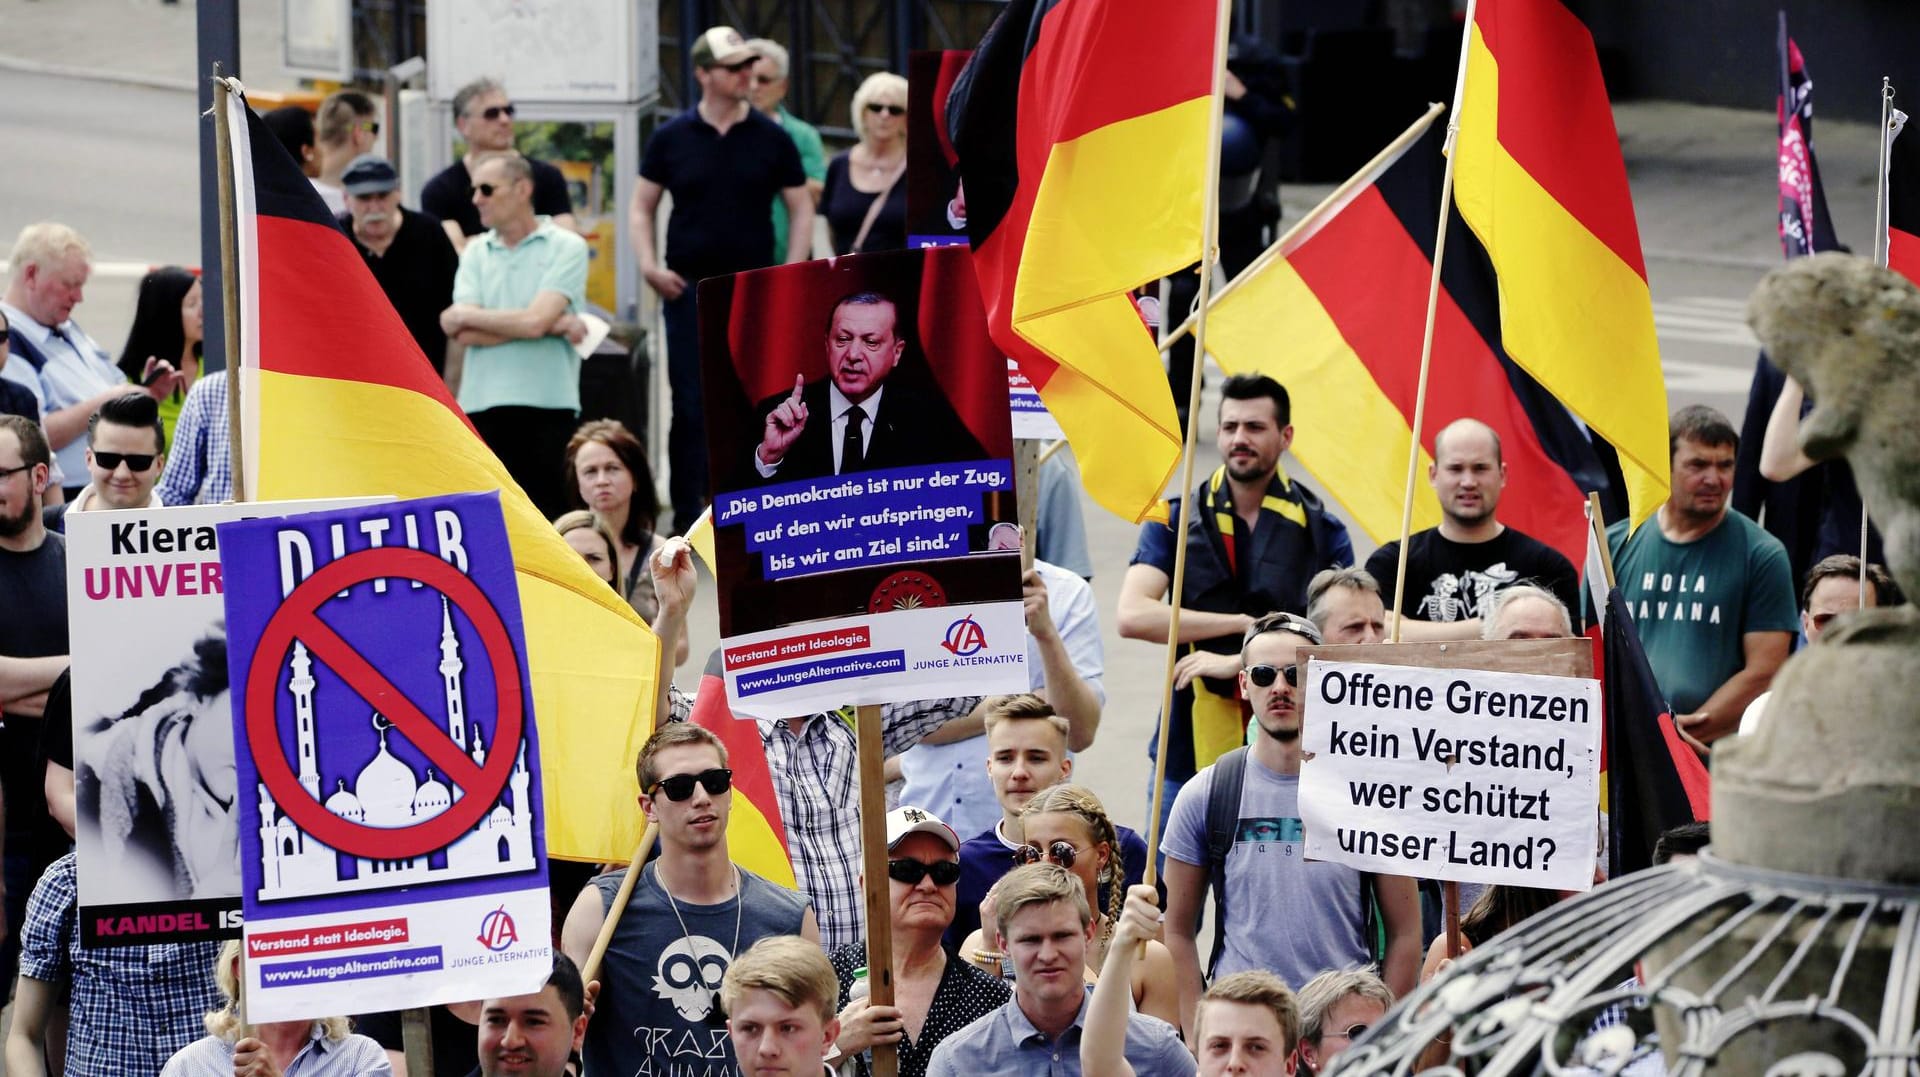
<point>200,467</point>
<point>131,1007</point>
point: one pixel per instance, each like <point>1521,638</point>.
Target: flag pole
<point>229,275</point>
<point>1450,895</point>
<point>1210,239</point>
<point>591,967</point>
<point>884,1059</point>
<point>1882,221</point>
<point>1367,174</point>
<point>1426,338</point>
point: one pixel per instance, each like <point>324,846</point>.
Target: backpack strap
<point>1229,777</point>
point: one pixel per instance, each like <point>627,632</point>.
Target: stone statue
<point>1842,761</point>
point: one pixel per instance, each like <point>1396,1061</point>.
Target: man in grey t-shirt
<point>1281,913</point>
<point>690,914</point>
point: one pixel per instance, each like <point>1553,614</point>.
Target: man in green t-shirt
<point>1711,592</point>
<point>769,96</point>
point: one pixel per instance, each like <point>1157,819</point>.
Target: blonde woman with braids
<point>1068,826</point>
<point>323,1047</point>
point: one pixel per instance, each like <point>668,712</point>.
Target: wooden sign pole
<point>873,849</point>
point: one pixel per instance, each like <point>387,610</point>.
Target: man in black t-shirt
<point>33,638</point>
<point>406,252</point>
<point>1454,570</point>
<point>724,163</point>
<point>483,114</point>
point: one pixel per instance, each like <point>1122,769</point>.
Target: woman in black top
<point>874,169</point>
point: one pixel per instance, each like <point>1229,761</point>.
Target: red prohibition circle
<point>298,617</point>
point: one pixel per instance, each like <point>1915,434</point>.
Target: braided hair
<point>1078,800</point>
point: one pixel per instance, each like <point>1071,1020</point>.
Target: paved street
<point>116,159</point>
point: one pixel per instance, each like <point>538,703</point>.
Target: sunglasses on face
<point>877,108</point>
<point>486,189</point>
<point>371,127</point>
<point>910,871</point>
<point>1060,852</point>
<point>765,80</point>
<point>739,67</point>
<point>1351,1032</point>
<point>1264,675</point>
<point>679,787</point>
<point>136,461</point>
<point>494,112</point>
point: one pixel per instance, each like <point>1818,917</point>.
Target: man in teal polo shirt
<point>769,95</point>
<point>516,305</point>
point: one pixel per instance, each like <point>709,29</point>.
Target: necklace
<point>714,1009</point>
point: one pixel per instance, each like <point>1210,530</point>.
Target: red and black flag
<point>1652,780</point>
<point>1081,126</point>
<point>1790,510</point>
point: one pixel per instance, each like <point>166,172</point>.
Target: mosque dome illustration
<point>386,792</point>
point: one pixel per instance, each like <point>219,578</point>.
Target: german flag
<point>338,400</point>
<point>1539,179</point>
<point>1903,203</point>
<point>1080,126</point>
<point>1347,296</point>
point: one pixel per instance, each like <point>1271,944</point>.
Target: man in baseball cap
<point>722,46</point>
<point>724,163</point>
<point>407,252</point>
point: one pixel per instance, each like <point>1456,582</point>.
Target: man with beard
<point>690,914</point>
<point>1454,570</point>
<point>33,577</point>
<point>1273,909</point>
<point>1255,540</point>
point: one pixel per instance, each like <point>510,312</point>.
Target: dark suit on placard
<point>915,425</point>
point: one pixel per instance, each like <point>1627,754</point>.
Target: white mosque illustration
<point>387,794</point>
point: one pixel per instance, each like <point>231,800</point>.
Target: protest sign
<point>152,733</point>
<point>937,207</point>
<point>1460,774</point>
<point>392,850</point>
<point>869,556</point>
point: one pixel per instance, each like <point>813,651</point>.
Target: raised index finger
<point>799,384</point>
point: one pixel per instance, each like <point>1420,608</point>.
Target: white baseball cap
<point>907,819</point>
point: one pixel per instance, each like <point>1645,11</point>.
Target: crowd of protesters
<point>1022,938</point>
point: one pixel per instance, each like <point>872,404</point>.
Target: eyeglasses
<point>494,112</point>
<point>741,66</point>
<point>1822,620</point>
<point>1264,675</point>
<point>9,471</point>
<point>910,871</point>
<point>877,108</point>
<point>486,189</point>
<point>1353,1032</point>
<point>371,127</point>
<point>1060,852</point>
<point>765,80</point>
<point>679,787</point>
<point>136,461</point>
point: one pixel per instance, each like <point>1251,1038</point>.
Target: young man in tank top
<point>691,913</point>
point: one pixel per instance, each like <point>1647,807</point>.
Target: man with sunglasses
<point>724,163</point>
<point>483,114</point>
<point>935,994</point>
<point>1273,909</point>
<point>690,914</point>
<point>769,95</point>
<point>126,449</point>
<point>1337,1007</point>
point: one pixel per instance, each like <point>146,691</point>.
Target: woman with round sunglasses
<point>934,995</point>
<point>865,198</point>
<point>1068,826</point>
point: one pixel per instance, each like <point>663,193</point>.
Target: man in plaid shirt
<point>815,763</point>
<point>131,1007</point>
<point>200,467</point>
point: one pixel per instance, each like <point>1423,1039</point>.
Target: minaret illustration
<point>386,793</point>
